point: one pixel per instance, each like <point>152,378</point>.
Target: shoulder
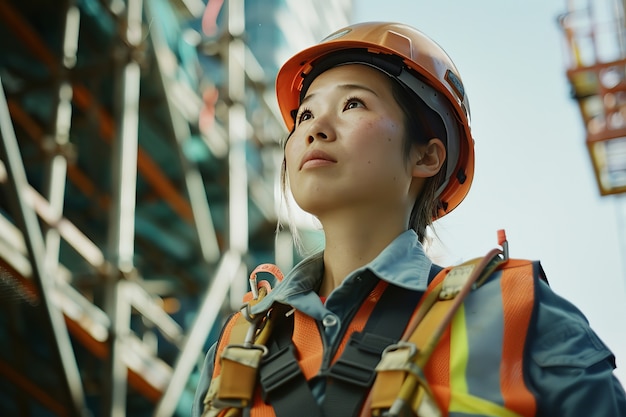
<point>568,365</point>
<point>562,335</point>
<point>559,333</point>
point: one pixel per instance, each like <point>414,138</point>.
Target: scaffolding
<point>101,154</point>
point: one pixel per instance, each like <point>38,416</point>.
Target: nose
<point>318,136</point>
<point>320,129</point>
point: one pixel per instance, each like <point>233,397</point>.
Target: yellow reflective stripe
<point>459,353</point>
<point>460,399</point>
<point>468,404</point>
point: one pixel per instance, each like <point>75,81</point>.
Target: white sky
<point>533,174</point>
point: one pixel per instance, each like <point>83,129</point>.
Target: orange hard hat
<point>416,61</point>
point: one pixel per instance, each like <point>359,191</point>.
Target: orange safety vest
<point>487,332</point>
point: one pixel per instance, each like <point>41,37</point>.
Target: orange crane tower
<point>596,68</point>
<point>595,45</point>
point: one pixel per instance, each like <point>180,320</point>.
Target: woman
<point>380,146</point>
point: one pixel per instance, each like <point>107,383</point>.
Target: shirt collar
<point>403,263</point>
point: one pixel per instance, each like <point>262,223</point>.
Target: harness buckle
<point>455,280</point>
<point>412,349</point>
<point>352,372</point>
<point>400,357</point>
<point>362,353</point>
<point>278,369</point>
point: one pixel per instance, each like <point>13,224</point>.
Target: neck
<point>352,242</point>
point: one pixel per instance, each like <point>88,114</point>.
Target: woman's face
<point>346,151</point>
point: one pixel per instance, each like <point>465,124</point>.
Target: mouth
<point>316,158</point>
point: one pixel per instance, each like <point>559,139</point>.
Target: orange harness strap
<point>401,387</point>
<point>235,373</point>
<point>510,394</point>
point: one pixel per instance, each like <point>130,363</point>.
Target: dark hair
<point>421,124</point>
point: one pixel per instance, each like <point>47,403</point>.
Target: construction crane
<point>596,69</point>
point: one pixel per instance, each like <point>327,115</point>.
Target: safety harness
<point>388,355</point>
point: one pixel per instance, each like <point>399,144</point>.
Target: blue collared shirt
<point>403,263</point>
<point>568,367</point>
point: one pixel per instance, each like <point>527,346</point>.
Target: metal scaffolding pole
<point>27,219</point>
<point>238,178</point>
<point>122,220</point>
<point>232,269</point>
<point>205,230</point>
<point>238,227</point>
<point>58,145</point>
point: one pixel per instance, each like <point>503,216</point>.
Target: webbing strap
<point>285,387</point>
<point>353,373</point>
<point>282,382</point>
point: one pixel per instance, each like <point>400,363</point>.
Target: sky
<point>533,174</point>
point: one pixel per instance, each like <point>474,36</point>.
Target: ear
<point>429,159</point>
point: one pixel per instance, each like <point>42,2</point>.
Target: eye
<point>353,103</point>
<point>303,115</point>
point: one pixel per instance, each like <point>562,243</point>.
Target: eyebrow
<point>343,87</point>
